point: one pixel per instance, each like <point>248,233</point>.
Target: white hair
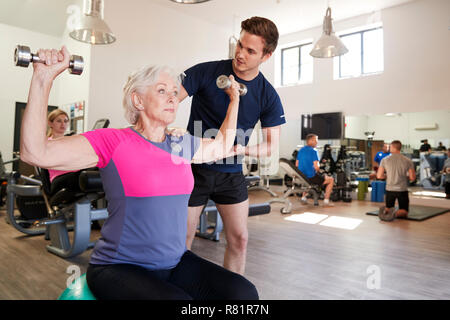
<point>138,81</point>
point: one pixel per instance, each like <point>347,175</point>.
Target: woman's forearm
<point>33,138</point>
<point>227,131</point>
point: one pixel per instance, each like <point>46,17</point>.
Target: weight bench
<point>300,182</point>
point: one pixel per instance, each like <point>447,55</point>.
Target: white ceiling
<point>49,16</point>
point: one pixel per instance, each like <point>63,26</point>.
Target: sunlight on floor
<point>341,223</point>
<point>430,193</point>
<point>333,221</point>
<point>307,217</point>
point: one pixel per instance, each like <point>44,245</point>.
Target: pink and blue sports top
<point>147,185</point>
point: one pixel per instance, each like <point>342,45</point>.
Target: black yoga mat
<point>419,213</point>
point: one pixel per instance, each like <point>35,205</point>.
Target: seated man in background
<point>425,147</point>
<point>396,169</point>
<point>383,153</point>
<point>441,147</point>
<point>308,163</point>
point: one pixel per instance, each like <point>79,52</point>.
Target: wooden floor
<point>286,259</point>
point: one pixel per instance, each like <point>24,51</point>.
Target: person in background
<point>396,169</point>
<point>441,147</point>
<point>383,153</point>
<point>57,122</point>
<point>425,147</point>
<point>308,163</point>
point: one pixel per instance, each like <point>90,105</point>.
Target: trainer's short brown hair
<point>397,144</point>
<point>264,28</point>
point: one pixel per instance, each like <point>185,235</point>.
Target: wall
<point>147,34</point>
<point>416,73</point>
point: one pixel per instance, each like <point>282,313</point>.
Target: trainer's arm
<point>271,141</point>
<point>67,153</point>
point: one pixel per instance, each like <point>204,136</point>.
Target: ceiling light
<point>91,28</point>
<point>328,45</point>
<point>189,1</point>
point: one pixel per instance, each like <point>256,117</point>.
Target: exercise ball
<point>79,291</point>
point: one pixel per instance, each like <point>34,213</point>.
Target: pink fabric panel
<point>154,172</point>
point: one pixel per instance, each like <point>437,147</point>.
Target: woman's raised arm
<point>67,153</point>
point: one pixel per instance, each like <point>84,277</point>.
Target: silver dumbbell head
<point>223,82</point>
<point>22,56</point>
<point>76,64</point>
<point>242,89</point>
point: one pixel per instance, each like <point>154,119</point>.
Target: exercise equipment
<point>386,215</point>
<point>300,184</point>
<point>418,213</point>
<point>28,197</point>
<point>327,163</point>
<point>431,165</point>
<point>223,82</point>
<point>378,191</point>
<point>66,206</point>
<point>363,187</point>
<point>23,57</point>
<point>78,291</point>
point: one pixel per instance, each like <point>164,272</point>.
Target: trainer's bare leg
<point>234,217</point>
<point>192,223</point>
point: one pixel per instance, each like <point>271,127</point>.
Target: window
<point>296,64</point>
<point>364,56</point>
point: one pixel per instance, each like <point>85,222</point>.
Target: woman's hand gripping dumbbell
<point>23,57</point>
<point>223,82</point>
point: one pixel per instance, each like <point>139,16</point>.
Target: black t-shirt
<point>210,104</point>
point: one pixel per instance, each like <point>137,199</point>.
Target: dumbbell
<point>23,57</point>
<point>223,82</point>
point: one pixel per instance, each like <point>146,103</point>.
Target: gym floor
<point>286,260</point>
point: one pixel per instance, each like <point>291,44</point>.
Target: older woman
<point>147,178</point>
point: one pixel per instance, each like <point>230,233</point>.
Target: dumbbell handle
<point>23,57</point>
<point>223,82</point>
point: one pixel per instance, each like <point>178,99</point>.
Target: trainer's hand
<point>176,132</point>
<point>55,63</point>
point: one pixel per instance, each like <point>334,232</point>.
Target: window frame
<point>361,32</point>
<point>299,46</point>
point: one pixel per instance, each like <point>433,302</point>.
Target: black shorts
<point>401,196</point>
<point>317,179</point>
<point>220,187</point>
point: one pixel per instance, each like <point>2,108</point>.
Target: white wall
<point>147,34</point>
<point>402,127</point>
<point>416,73</point>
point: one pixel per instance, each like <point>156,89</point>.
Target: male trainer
<point>223,181</point>
<point>396,169</point>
